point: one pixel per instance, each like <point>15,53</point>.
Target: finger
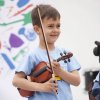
<point>55,91</point>
<point>50,80</point>
<point>48,65</point>
<point>54,80</point>
<point>49,69</point>
<point>55,88</point>
<point>54,84</point>
<point>56,64</point>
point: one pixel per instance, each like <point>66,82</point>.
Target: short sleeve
<point>26,65</point>
<point>73,64</point>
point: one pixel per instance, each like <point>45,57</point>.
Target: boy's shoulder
<point>62,49</point>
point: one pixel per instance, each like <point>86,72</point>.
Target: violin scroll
<point>66,56</point>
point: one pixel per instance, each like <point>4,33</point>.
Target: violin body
<point>40,74</point>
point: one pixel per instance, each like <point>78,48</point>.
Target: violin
<point>40,74</point>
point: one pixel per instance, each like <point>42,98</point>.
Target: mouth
<point>54,35</point>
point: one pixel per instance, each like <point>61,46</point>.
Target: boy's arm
<point>19,81</point>
<point>72,77</point>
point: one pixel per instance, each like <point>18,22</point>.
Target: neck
<point>49,45</point>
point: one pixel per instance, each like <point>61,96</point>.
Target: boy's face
<point>51,30</point>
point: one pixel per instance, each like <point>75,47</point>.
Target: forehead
<point>51,20</point>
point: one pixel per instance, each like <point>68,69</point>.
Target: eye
<point>58,26</point>
<point>50,26</point>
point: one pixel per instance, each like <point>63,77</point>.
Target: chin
<point>52,42</point>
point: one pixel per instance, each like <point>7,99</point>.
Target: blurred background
<point>80,28</point>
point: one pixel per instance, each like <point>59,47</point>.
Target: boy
<point>68,72</point>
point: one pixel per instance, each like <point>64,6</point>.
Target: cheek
<point>58,33</point>
<point>48,31</point>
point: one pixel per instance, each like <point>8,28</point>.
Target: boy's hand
<point>56,67</point>
<point>50,86</point>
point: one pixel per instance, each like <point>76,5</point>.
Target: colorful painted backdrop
<point>16,33</point>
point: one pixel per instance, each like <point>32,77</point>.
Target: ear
<point>36,29</point>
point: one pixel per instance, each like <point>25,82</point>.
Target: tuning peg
<point>65,52</point>
<point>61,54</point>
<point>65,61</point>
<point>68,60</point>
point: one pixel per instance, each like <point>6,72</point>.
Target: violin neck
<point>58,59</point>
<point>39,72</point>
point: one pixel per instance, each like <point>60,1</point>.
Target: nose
<point>56,29</point>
